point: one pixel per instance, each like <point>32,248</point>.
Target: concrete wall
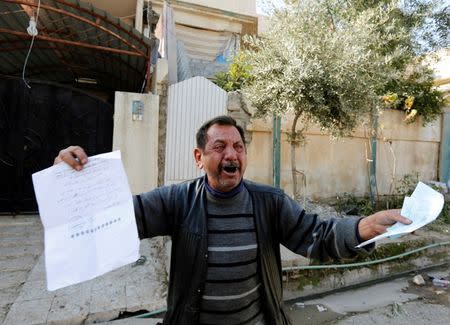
<point>118,8</point>
<point>246,7</point>
<point>337,166</point>
<point>211,17</point>
<point>137,139</point>
<point>331,167</point>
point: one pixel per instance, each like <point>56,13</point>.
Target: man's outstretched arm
<point>308,235</point>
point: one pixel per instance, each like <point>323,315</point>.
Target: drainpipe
<point>276,142</point>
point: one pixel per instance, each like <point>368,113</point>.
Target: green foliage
<point>404,187</point>
<point>407,184</point>
<point>331,60</point>
<point>324,63</point>
<point>393,249</point>
<point>237,75</point>
<point>429,23</point>
<point>415,95</point>
<point>445,214</point>
<point>352,205</point>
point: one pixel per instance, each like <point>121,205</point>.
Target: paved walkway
<point>20,246</point>
<point>24,298</point>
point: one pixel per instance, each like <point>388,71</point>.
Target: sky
<point>261,4</point>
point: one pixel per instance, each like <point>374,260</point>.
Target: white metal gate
<point>190,103</point>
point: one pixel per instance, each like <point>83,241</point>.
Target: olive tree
<point>325,62</point>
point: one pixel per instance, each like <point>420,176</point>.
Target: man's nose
<point>230,153</point>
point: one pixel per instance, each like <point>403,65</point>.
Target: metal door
<point>35,124</point>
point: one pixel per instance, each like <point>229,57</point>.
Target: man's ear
<point>198,157</point>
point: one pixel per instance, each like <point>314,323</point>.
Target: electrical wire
<point>32,30</point>
<point>332,266</point>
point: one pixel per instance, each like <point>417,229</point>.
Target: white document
<point>88,219</point>
<point>422,207</point>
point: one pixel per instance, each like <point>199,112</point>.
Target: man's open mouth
<point>230,169</point>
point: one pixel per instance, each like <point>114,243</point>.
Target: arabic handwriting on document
<point>422,207</point>
<point>88,213</point>
<point>81,191</point>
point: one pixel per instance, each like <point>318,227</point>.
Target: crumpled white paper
<point>422,207</point>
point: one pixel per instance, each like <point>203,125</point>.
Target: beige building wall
<point>263,24</point>
<point>205,17</point>
<point>124,9</point>
<point>137,139</point>
<point>334,167</point>
<point>416,149</point>
<point>245,7</point>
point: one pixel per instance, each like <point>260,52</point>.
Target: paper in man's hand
<point>88,219</point>
<point>422,207</point>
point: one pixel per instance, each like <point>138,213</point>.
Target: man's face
<point>224,158</point>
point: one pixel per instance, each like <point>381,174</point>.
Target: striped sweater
<point>232,290</point>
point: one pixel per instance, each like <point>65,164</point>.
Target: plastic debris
<point>321,308</point>
<point>298,305</point>
<point>441,283</point>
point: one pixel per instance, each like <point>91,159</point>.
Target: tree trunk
<point>293,160</point>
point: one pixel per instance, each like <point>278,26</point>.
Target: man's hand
<point>74,156</point>
<point>377,223</point>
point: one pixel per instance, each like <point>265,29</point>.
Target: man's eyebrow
<point>224,141</point>
<point>221,141</point>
